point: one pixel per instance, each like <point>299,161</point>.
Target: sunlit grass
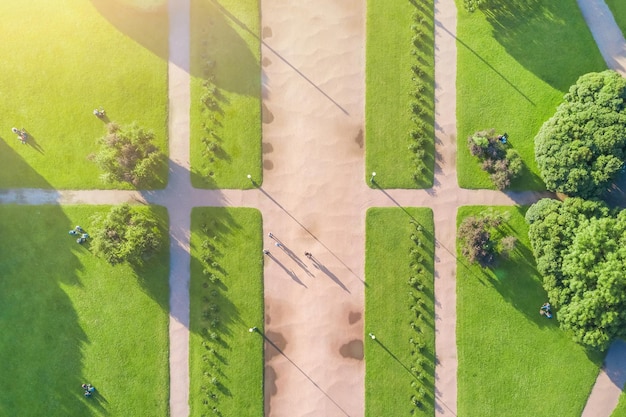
<point>389,85</point>
<point>59,63</point>
<point>516,59</point>
<point>390,380</point>
<point>513,361</point>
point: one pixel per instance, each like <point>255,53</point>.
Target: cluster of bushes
<point>212,386</point>
<point>502,163</point>
<point>212,114</point>
<point>418,301</point>
<point>472,5</point>
<point>128,154</point>
<point>420,105</point>
<point>126,234</point>
<point>478,241</point>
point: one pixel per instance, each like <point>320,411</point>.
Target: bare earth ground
<point>314,198</point>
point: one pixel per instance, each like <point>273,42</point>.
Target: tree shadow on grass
<point>219,297</point>
<point>544,37</point>
<point>145,25</point>
<point>214,38</point>
<point>41,342</point>
<point>15,171</point>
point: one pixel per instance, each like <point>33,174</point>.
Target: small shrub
<point>501,163</point>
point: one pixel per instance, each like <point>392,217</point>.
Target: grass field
<point>391,360</point>
<point>618,8</point>
<point>515,62</point>
<point>69,318</point>
<point>62,61</point>
<point>512,361</point>
<point>225,359</point>
<point>226,33</point>
<point>389,84</point>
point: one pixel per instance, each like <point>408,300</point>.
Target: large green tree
<point>128,154</point>
<point>126,234</point>
<point>581,148</point>
<point>580,247</point>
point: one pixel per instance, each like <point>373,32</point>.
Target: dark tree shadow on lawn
<point>145,25</point>
<point>215,39</point>
<point>542,36</point>
<point>41,342</point>
<point>15,171</point>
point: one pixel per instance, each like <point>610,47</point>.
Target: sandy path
<point>313,72</point>
<point>610,383</point>
<point>607,34</point>
<point>444,204</point>
<point>177,191</point>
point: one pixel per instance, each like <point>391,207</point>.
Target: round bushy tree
<point>126,234</point>
<point>579,247</point>
<point>128,154</point>
<point>581,148</point>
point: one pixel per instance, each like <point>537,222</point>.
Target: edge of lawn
<point>390,83</point>
<point>511,360</point>
<point>392,365</point>
<point>223,310</point>
<point>228,35</point>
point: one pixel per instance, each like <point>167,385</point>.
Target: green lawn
<point>391,361</point>
<point>515,62</point>
<point>389,85</point>
<point>226,33</point>
<point>512,361</point>
<point>225,359</point>
<point>60,61</point>
<point>618,8</point>
<point>68,317</point>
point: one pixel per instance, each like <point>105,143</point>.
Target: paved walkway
<point>610,383</point>
<point>314,198</point>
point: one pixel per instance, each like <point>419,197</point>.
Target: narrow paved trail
<point>314,198</point>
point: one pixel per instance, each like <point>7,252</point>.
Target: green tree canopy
<point>581,148</point>
<point>580,247</point>
<point>128,154</point>
<point>126,233</point>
